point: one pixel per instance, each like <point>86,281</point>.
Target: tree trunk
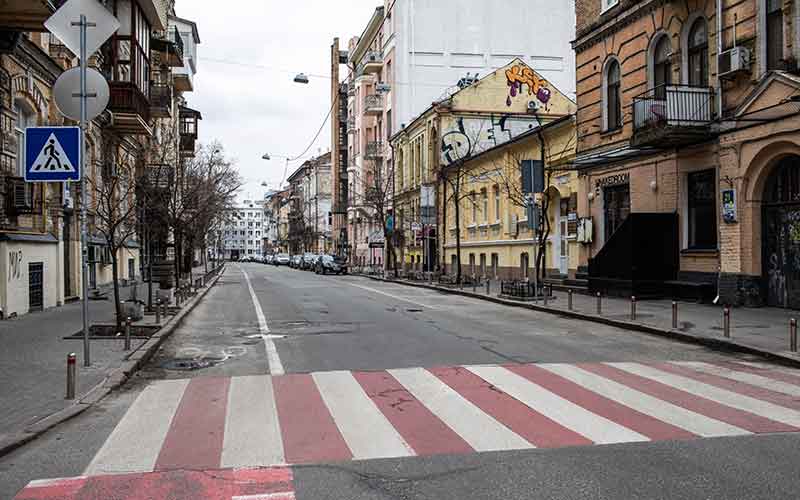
<point>115,280</point>
<point>456,192</point>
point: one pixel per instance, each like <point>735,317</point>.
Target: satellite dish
<point>69,84</point>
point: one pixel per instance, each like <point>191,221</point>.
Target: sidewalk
<point>33,359</point>
<point>763,330</point>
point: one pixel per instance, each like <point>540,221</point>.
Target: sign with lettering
<point>729,205</point>
<point>613,180</point>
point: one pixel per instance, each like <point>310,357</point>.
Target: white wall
<point>14,275</point>
<point>439,41</point>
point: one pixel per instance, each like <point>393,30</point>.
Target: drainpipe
<point>719,51</point>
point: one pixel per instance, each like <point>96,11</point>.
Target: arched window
<point>698,53</point>
<point>662,68</point>
<point>613,103</point>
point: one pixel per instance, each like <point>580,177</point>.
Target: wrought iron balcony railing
<point>673,106</point>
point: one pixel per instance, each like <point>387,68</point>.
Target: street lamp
<point>301,78</point>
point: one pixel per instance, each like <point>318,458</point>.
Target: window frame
<point>769,16</point>
<point>692,205</point>
<point>608,89</point>
<point>695,51</point>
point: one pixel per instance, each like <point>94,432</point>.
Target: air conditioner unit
<point>734,61</point>
<point>533,106</point>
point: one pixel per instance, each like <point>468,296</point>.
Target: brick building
<point>688,148</point>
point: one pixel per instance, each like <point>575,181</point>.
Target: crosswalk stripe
<point>136,441</point>
<point>527,422</point>
<point>309,432</point>
<point>722,396</point>
<point>420,428</point>
<point>252,431</point>
<point>200,413</point>
<point>597,428</point>
<point>354,412</point>
<point>480,430</point>
<point>662,410</point>
<point>791,375</point>
<point>743,376</point>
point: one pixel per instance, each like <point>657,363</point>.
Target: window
<point>474,202</point>
<point>698,54</point>
<point>607,4</point>
<point>662,69</point>
<point>613,101</point>
<point>774,34</point>
<point>702,208</point>
<point>496,193</point>
<point>485,197</point>
<point>25,118</point>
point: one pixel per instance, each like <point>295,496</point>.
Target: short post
<point>674,315</point>
<point>726,322</point>
<point>544,296</point>
<point>793,335</point>
<point>599,303</point>
<point>569,299</point>
<point>72,372</point>
<point>128,334</point>
<point>633,307</point>
<point>474,284</point>
<point>165,305</point>
<point>488,287</point>
<point>178,297</point>
<point>158,311</point>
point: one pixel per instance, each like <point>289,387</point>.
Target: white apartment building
<point>415,52</point>
<point>246,227</point>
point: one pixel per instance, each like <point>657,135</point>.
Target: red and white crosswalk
<point>210,423</point>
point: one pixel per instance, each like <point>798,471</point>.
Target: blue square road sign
<point>52,154</point>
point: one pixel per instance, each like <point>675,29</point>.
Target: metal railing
<point>673,106</point>
<point>161,99</point>
<point>351,124</point>
<point>127,98</point>
<point>519,289</point>
<point>374,150</point>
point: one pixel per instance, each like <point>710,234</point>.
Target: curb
<point>133,362</point>
<point>720,344</point>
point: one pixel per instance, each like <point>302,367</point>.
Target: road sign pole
<point>84,247</point>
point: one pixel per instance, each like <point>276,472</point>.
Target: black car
<point>329,264</point>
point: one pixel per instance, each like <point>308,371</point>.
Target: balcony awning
<point>188,112</point>
<point>595,159</point>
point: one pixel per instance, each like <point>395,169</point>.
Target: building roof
<point>366,38</point>
<point>191,24</point>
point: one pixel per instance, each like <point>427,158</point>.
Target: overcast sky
<point>250,103</point>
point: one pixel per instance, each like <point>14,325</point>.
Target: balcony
<point>672,115</point>
<point>188,130</point>
<point>183,77</point>
<point>351,89</point>
<point>169,47</point>
<point>130,109</point>
<point>351,124</point>
<point>372,63</point>
<point>27,15</point>
<point>373,104</point>
<point>160,100</point>
<point>374,150</point>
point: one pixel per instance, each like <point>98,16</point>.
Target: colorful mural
<point>468,136</point>
<point>519,75</point>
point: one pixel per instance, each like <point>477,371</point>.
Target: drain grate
<point>190,364</point>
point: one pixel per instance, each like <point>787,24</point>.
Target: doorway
<point>781,235</point>
<point>563,243</point>
<point>36,286</point>
<point>616,207</point>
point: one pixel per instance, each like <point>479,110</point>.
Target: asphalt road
<point>327,323</point>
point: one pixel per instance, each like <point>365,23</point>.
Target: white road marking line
<point>135,443</point>
<point>267,496</point>
<point>476,427</point>
<point>365,429</point>
<point>746,377</point>
<point>274,361</point>
<point>645,403</point>
<point>252,431</point>
<point>574,417</point>
<point>772,368</point>
<point>722,396</point>
<point>396,297</point>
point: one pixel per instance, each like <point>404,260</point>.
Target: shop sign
<point>613,180</point>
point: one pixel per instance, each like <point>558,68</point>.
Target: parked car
<point>328,264</point>
<point>268,259</point>
<point>309,260</point>
<point>282,259</point>
<point>297,261</point>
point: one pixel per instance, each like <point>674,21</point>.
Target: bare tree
<point>376,193</point>
<point>115,209</point>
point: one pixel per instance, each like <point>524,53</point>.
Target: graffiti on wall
<point>14,265</point>
<point>473,135</point>
<point>519,77</point>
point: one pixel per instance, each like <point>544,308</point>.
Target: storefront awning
<point>611,155</point>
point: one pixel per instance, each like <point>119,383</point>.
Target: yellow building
<point>481,116</point>
<point>495,239</point>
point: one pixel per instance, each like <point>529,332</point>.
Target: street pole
<point>84,249</point>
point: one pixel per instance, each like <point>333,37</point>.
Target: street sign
<point>62,25</point>
<point>52,154</point>
<point>532,176</point>
<point>68,99</point>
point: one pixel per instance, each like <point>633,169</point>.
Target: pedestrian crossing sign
<point>52,154</point>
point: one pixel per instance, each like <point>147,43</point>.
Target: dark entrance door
<point>617,207</point>
<point>35,286</point>
<point>781,235</point>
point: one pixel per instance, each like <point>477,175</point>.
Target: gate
<point>781,235</point>
<point>35,286</point>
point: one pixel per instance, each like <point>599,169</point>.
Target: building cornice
<point>613,21</point>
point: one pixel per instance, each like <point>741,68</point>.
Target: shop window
<point>702,210</point>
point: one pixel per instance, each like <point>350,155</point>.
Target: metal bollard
<point>178,298</point>
<point>544,297</point>
<point>599,303</point>
<point>72,372</point>
<point>726,322</point>
<point>128,334</point>
<point>633,307</point>
<point>569,299</point>
<point>158,311</point>
<point>165,305</point>
<point>488,287</point>
<point>674,315</point>
<point>793,335</point>
<point>474,285</point>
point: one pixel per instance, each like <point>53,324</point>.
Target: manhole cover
<point>190,364</point>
